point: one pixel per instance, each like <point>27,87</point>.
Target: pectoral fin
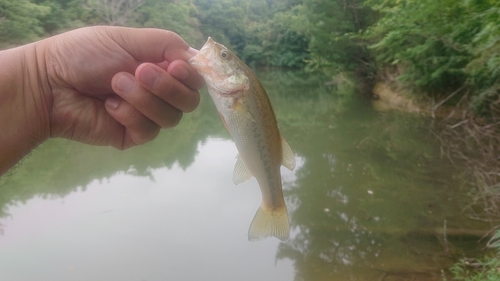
<point>241,173</point>
<point>240,108</point>
<point>288,158</point>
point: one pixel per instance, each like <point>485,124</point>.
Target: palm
<point>81,66</point>
<point>81,82</point>
<point>88,67</point>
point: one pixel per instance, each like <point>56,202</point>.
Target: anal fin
<point>241,173</point>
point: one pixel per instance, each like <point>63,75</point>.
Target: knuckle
<point>168,88</point>
<point>144,101</point>
<point>147,136</point>
<point>173,120</point>
<point>128,114</point>
<point>173,36</point>
<point>194,102</point>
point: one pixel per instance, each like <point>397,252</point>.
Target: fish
<point>247,114</point>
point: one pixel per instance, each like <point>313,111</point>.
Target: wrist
<point>24,102</point>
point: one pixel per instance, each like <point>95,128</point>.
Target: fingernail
<point>126,83</point>
<point>192,51</point>
<point>112,103</point>
<point>149,75</point>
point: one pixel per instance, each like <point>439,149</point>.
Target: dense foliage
<point>284,33</point>
<point>485,269</point>
<point>438,46</point>
<point>441,48</point>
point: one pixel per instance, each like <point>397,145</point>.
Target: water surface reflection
<point>368,200</point>
<point>175,223</point>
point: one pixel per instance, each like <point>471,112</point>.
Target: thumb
<point>150,44</point>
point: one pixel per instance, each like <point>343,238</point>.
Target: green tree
<point>332,26</point>
<point>54,19</point>
<point>178,17</point>
<point>441,46</point>
<point>280,41</point>
<point>426,38</point>
<point>484,67</point>
<point>66,14</point>
<point>224,21</point>
<point>19,21</point>
<point>115,12</point>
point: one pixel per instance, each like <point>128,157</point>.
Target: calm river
<point>369,200</point>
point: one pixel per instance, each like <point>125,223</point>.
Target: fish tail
<point>269,223</point>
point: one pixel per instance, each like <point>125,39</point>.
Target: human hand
<point>117,86</point>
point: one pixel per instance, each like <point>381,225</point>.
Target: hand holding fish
<point>111,86</point>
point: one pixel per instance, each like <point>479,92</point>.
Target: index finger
<point>151,44</point>
<point>185,73</point>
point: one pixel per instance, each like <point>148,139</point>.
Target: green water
<point>368,200</point>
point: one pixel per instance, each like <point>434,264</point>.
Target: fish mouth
<point>200,61</point>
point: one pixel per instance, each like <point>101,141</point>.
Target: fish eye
<point>223,54</point>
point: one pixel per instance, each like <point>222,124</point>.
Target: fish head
<point>223,72</point>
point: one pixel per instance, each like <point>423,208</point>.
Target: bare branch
<point>115,12</point>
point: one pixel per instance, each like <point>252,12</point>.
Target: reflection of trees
<point>332,232</point>
<point>61,166</point>
<point>372,188</point>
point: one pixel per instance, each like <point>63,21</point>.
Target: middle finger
<point>166,87</point>
<point>150,105</point>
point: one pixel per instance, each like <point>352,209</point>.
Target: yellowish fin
<point>241,173</point>
<point>288,158</point>
<point>247,113</point>
<point>269,223</point>
<point>238,107</point>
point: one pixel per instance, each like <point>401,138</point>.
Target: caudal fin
<point>269,223</point>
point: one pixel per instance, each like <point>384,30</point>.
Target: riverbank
<point>472,144</point>
<point>392,96</point>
